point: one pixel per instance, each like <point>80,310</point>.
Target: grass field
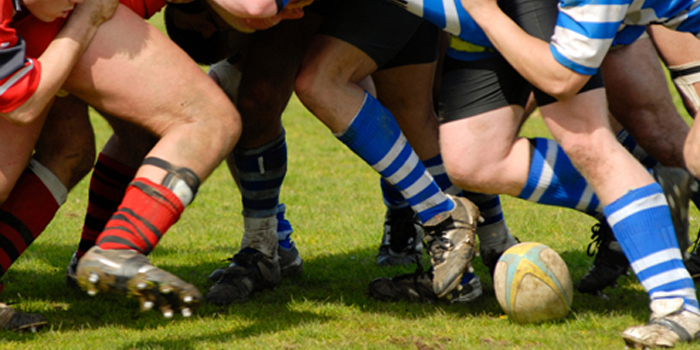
<point>334,204</point>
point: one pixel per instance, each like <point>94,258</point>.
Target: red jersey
<point>19,74</point>
<point>24,37</point>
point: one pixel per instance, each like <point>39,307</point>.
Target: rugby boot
<point>490,256</point>
<point>451,243</point>
<point>418,287</point>
<point>291,264</point>
<point>13,320</point>
<point>609,263</point>
<point>130,273</point>
<point>249,272</point>
<point>669,324</point>
<point>402,243</point>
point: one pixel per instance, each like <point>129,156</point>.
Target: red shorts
<point>38,35</point>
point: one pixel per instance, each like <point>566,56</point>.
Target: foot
<point>13,320</point>
<point>249,272</point>
<point>402,240</point>
<point>489,257</point>
<point>291,264</point>
<point>418,287</point>
<point>669,325</point>
<point>609,263</point>
<point>130,273</point>
<point>451,242</point>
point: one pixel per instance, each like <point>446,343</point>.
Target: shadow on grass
<point>334,279</point>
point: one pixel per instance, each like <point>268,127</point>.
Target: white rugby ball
<point>532,284</point>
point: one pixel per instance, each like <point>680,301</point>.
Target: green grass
<point>335,206</point>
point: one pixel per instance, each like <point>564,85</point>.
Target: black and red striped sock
<point>108,184</point>
<point>23,216</point>
<point>147,211</point>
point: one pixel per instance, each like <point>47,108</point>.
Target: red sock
<point>107,187</point>
<point>23,216</point>
<point>146,212</point>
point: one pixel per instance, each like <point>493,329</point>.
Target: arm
<point>60,56</point>
<point>530,56</point>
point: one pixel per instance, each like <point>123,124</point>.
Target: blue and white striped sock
<point>375,136</point>
<point>393,198</point>
<point>553,180</point>
<point>642,224</point>
<point>629,143</point>
<point>493,233</point>
<point>261,172</point>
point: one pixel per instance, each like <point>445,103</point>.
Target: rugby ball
<point>532,284</point>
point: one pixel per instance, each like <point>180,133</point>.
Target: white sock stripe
<point>55,186</point>
<point>691,308</point>
<point>436,170</point>
<point>586,198</point>
<point>657,258</point>
<point>433,201</point>
<point>453,190</point>
<point>404,170</point>
<point>394,152</point>
<point>418,186</point>
<point>652,201</point>
<point>687,293</point>
<point>546,172</point>
<point>665,278</point>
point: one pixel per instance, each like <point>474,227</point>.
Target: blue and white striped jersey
<point>467,42</point>
<point>585,29</point>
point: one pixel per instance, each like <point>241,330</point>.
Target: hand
<point>95,12</point>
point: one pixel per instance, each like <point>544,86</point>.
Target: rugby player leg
<point>133,72</point>
<point>327,85</point>
<point>115,168</point>
<point>681,53</point>
<point>642,102</point>
<point>405,87</point>
<point>63,155</point>
<point>269,64</point>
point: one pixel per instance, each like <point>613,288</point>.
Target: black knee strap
<point>175,173</point>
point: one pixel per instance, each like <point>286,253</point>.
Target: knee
<point>468,174</point>
<point>315,86</point>
<point>306,85</point>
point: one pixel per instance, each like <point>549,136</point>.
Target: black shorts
<point>470,88</point>
<point>388,34</point>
